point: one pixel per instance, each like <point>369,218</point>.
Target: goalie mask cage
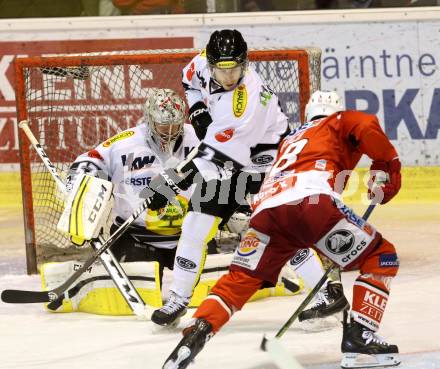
<point>74,102</point>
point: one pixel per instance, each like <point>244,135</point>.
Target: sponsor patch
<point>249,244</point>
<point>249,252</point>
<point>340,241</point>
<point>321,164</point>
<point>95,154</point>
<point>388,260</point>
<point>345,243</point>
<point>227,64</point>
<point>262,159</point>
<point>190,72</point>
<point>185,263</point>
<point>299,257</point>
<point>239,101</point>
<point>118,137</point>
<point>225,135</point>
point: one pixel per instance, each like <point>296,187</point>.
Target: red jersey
<point>318,157</point>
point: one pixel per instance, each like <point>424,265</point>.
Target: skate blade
<point>182,354</point>
<point>353,360</point>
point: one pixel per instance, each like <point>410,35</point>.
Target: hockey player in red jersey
<point>299,205</point>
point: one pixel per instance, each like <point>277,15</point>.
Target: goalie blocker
<point>87,210</point>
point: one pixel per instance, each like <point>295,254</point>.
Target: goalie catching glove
<point>385,180</point>
<point>88,209</point>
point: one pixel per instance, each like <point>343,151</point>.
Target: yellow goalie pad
<point>95,292</point>
<point>218,264</point>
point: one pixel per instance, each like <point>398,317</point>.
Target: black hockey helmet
<point>226,49</point>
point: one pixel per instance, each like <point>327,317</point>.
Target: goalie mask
<point>227,57</point>
<point>322,104</point>
<point>165,111</point>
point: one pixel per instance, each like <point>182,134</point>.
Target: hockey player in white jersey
<point>240,131</point>
<point>129,160</point>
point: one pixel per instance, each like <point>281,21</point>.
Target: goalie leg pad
<point>95,292</point>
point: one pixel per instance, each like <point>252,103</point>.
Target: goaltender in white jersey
<point>130,159</point>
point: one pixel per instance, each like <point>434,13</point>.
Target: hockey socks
<point>370,297</point>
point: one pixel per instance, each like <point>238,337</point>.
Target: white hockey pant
<point>197,230</point>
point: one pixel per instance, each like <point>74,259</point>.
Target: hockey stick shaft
<point>314,291</point>
<point>110,263</point>
<point>24,125</point>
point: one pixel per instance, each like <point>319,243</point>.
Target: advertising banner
<point>388,68</point>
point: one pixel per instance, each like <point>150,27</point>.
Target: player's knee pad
<point>383,261</point>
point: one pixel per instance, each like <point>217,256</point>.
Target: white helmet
<point>323,104</point>
<point>165,111</point>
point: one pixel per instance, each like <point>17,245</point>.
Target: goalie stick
<point>272,345</point>
<point>114,269</point>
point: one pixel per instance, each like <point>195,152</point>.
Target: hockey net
<point>74,102</point>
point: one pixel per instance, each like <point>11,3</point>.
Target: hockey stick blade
<point>279,355</point>
<point>27,297</point>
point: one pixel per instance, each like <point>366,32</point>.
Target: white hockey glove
<point>88,209</point>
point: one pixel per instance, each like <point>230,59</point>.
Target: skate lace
<point>321,299</point>
<point>174,303</point>
<point>370,336</point>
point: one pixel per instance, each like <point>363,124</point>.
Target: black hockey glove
<point>200,119</point>
<point>164,187</point>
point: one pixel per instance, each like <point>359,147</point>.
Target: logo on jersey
<point>185,263</point>
<point>138,162</point>
<point>95,155</point>
<point>321,164</point>
<point>118,137</point>
<point>299,257</point>
<point>388,260</point>
<point>138,181</point>
<point>249,244</point>
<point>225,135</point>
<point>262,159</point>
<point>190,72</point>
<point>340,241</point>
<point>239,101</point>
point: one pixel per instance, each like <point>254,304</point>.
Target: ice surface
<point>31,337</point>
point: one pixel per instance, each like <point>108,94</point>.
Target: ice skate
<point>362,348</point>
<point>171,312</point>
<point>191,344</point>
<point>330,300</point>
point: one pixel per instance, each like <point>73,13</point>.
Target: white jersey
<point>130,160</point>
<point>243,118</point>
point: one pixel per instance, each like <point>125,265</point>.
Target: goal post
<point>74,102</point>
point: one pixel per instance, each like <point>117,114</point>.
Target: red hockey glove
<point>385,180</point>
